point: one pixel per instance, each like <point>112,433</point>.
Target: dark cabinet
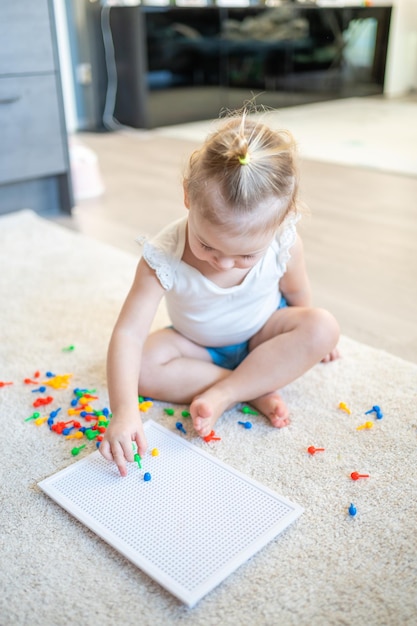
<point>182,64</point>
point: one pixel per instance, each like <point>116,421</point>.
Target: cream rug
<point>373,133</point>
<point>58,288</point>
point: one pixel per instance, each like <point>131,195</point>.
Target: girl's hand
<point>117,443</point>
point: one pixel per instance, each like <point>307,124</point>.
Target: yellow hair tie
<point>244,160</point>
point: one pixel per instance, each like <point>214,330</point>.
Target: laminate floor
<point>360,238</point>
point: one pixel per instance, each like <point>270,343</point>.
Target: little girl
<point>233,275</point>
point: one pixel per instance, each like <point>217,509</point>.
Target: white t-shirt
<point>206,313</point>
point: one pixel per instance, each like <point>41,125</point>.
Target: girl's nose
<point>225,263</point>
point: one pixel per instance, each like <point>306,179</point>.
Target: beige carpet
<point>58,288</point>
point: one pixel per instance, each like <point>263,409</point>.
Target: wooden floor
<point>360,239</point>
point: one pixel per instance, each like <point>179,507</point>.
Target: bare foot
<point>274,408</point>
<point>332,356</point>
<point>205,411</point>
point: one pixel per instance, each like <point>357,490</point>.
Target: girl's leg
<point>291,342</point>
<point>175,369</point>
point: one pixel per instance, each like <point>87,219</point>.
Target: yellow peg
<point>145,406</point>
<point>366,425</point>
<point>77,435</point>
<point>40,420</point>
<point>58,382</point>
<point>345,408</point>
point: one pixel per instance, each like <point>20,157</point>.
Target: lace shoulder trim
<point>286,239</point>
<point>159,262</point>
<point>164,251</point>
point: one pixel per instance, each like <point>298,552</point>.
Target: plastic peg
<point>40,420</point>
<point>246,425</point>
<point>352,510</point>
<point>343,406</point>
<point>247,410</point>
<point>43,401</point>
<point>145,406</point>
<point>367,425</point>
<point>356,475</point>
<point>34,416</point>
<point>77,435</point>
<point>180,427</point>
<point>76,451</point>
<point>312,450</point>
<point>211,437</point>
<point>377,410</point>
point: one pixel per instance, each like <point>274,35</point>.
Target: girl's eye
<point>247,257</point>
<point>206,247</point>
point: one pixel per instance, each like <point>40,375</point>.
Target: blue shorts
<point>230,357</point>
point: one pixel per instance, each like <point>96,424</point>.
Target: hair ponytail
<point>248,162</point>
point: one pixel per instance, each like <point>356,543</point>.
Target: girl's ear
<point>186,200</point>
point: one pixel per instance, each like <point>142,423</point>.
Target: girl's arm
<point>295,285</point>
<point>123,367</point>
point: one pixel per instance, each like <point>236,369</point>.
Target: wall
<point>401,71</point>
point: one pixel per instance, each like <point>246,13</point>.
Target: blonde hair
<point>247,162</point>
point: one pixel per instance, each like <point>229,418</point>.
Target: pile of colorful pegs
<point>85,420</point>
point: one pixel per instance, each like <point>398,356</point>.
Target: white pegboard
<point>189,527</point>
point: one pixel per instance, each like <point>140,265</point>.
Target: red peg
<point>3,384</point>
<point>43,401</point>
<point>313,450</point>
<point>59,427</point>
<point>356,475</point>
<point>211,437</point>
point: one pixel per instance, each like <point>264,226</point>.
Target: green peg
<point>76,451</point>
<point>91,434</point>
<point>34,416</point>
<point>248,411</point>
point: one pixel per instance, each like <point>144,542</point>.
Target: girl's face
<point>224,249</point>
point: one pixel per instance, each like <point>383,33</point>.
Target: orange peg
<point>312,450</point>
<point>211,437</point>
<point>356,475</point>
